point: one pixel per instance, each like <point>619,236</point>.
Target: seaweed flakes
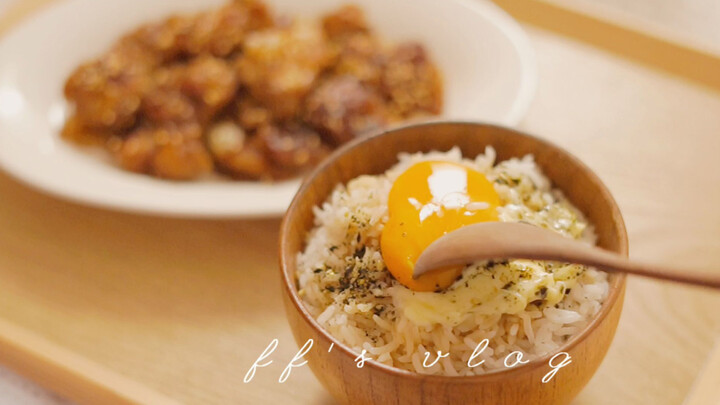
<point>378,309</point>
<point>357,281</point>
<point>360,252</point>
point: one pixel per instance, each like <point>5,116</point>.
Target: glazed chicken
<point>239,92</point>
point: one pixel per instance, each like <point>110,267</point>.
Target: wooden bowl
<point>376,383</point>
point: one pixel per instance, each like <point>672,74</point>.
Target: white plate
<point>486,60</point>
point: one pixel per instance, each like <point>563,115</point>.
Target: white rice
<point>342,256</point>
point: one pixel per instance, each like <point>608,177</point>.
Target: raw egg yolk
<point>427,201</point>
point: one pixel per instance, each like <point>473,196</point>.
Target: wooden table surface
<point>179,309</point>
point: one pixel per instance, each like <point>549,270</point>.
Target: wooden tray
<point>112,308</point>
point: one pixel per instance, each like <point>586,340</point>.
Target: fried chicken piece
<point>107,92</point>
<point>248,163</point>
<point>136,152</point>
<point>251,114</point>
<point>292,150</point>
<point>412,82</point>
<point>347,20</point>
<point>270,154</point>
<point>280,65</point>
<point>167,103</point>
<point>168,106</point>
<point>211,83</point>
<point>362,56</point>
<point>221,32</point>
<point>233,153</point>
<point>164,38</point>
<point>342,108</point>
<point>182,159</point>
<point>113,108</point>
<point>171,152</point>
<point>218,32</point>
<point>75,131</point>
<point>190,93</point>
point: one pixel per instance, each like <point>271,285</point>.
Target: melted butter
<point>501,289</point>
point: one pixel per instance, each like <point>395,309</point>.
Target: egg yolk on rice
<point>427,201</point>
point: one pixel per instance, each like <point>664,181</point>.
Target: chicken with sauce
<point>239,92</point>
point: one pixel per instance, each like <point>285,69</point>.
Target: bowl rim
<point>616,285</point>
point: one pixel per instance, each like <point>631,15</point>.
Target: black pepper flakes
<point>359,253</point>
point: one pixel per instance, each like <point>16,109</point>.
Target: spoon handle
<point>503,240</point>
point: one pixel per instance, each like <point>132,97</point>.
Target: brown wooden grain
<point>182,307</point>
<point>705,391</point>
<point>376,383</point>
<point>617,33</point>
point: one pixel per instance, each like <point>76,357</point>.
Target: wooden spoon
<point>508,240</point>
